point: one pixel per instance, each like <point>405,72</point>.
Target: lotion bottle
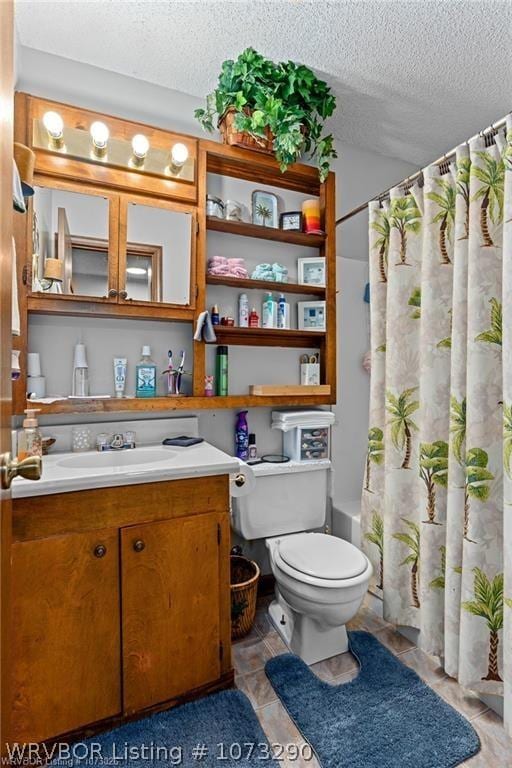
<point>242,436</point>
<point>30,440</point>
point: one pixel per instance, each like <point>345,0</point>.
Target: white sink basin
<point>129,458</point>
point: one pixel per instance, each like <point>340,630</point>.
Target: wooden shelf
<point>264,233</point>
<point>268,337</point>
<point>155,404</point>
<point>266,285</point>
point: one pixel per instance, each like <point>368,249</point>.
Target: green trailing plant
<point>374,453</point>
<point>412,541</point>
<point>488,605</point>
<point>433,472</point>
<point>494,335</point>
<point>376,536</point>
<point>284,97</point>
<point>491,174</point>
<point>401,409</point>
<point>445,217</point>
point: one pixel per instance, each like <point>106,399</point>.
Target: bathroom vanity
<point>120,593</point>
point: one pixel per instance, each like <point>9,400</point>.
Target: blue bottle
<point>242,436</point>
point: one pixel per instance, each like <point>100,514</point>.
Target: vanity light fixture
<point>179,156</point>
<point>54,125</point>
<point>140,146</point>
<point>99,135</point>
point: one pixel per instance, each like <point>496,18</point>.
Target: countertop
<point>157,464</point>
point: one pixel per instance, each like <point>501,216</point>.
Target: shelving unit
<point>268,337</point>
<point>243,229</point>
<point>209,157</point>
<point>266,285</point>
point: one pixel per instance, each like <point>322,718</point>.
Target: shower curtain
<point>437,492</point>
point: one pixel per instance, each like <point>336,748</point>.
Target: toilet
<point>321,580</point>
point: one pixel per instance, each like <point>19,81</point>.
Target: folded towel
<point>204,328</point>
<point>15,307</point>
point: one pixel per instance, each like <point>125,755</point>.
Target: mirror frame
<point>125,202</point>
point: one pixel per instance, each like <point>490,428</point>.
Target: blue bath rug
<point>387,717</point>
<point>219,730</point>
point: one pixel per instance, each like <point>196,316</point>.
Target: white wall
<point>360,175</point>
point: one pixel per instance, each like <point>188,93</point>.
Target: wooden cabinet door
<point>171,607</point>
<point>65,633</point>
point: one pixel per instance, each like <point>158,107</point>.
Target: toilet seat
<point>321,560</point>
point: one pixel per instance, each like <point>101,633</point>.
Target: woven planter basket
<point>244,588</point>
<point>235,138</point>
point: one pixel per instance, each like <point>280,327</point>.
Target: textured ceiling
<point>413,78</point>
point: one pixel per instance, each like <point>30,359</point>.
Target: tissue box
<point>310,373</point>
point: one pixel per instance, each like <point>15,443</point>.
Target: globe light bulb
<point>140,146</point>
<point>99,134</point>
<point>179,155</point>
<point>54,124</point>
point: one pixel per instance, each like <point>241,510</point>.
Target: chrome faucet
<point>117,441</point>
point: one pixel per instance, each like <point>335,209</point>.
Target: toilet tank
<point>286,498</point>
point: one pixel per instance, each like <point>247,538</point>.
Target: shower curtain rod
<point>491,130</point>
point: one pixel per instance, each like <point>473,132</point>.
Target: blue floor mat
<point>387,717</point>
<point>219,730</point>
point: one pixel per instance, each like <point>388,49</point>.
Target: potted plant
<point>274,107</point>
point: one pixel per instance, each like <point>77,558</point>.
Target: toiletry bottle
<point>243,311</point>
<point>242,436</point>
<point>30,441</point>
<point>120,364</point>
<point>254,319</point>
<point>281,312</point>
<point>267,312</point>
<point>253,451</point>
<point>221,371</point>
<point>215,315</point>
<point>80,372</point>
<point>145,375</point>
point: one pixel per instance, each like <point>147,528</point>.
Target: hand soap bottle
<point>145,375</point>
<point>30,441</point>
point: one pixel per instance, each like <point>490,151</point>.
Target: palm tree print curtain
<point>437,490</point>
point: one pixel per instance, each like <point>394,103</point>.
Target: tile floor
<point>251,653</point>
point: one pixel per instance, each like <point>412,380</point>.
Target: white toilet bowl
<point>321,581</point>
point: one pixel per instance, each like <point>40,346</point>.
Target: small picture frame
<point>311,315</point>
<point>311,271</point>
<point>291,221</point>
<point>264,209</point>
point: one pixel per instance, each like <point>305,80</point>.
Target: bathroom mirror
<point>158,254</point>
<point>70,239</point>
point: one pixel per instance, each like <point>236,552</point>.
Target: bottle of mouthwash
<point>145,375</point>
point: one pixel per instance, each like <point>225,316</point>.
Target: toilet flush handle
<point>240,480</point>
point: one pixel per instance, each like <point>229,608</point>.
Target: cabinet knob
<point>123,294</point>
<point>139,545</point>
<point>112,293</point>
<point>100,550</point>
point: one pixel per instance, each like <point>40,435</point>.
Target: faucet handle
<point>117,440</point>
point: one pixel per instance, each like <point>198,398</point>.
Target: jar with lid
<point>214,207</point>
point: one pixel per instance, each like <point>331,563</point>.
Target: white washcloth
<point>15,307</point>
<point>204,328</point>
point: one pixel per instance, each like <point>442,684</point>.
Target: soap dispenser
<point>30,440</point>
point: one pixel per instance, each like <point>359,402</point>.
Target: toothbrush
<point>180,371</point>
<point>169,371</point>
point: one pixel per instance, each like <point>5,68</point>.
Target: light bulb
<point>99,134</point>
<point>54,124</point>
<point>179,155</point>
<point>140,146</point>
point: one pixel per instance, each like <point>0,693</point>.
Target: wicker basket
<point>244,587</point>
<point>235,138</point>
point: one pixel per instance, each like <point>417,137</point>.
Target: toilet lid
<point>323,556</point>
